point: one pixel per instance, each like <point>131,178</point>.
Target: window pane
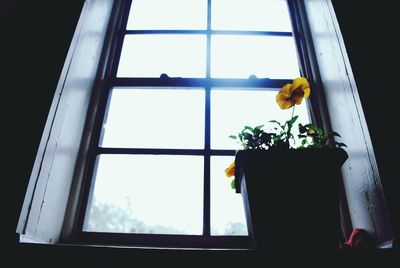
<point>227,211</point>
<point>233,109</point>
<point>238,56</point>
<point>155,118</point>
<point>252,15</point>
<point>151,55</point>
<point>147,194</point>
<point>168,14</point>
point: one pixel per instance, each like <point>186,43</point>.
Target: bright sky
<point>163,190</point>
<point>256,15</point>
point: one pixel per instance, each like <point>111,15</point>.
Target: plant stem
<point>289,127</point>
<point>292,112</point>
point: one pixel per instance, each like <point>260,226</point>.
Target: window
<point>93,159</point>
<point>184,78</point>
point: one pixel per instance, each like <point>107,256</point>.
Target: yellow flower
<point>230,171</point>
<point>291,94</point>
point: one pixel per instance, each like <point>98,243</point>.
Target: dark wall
<point>34,40</point>
<point>35,37</point>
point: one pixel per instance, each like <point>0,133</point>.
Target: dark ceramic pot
<point>291,197</point>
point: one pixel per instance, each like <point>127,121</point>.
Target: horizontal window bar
<point>152,240</point>
<point>201,82</point>
<point>102,150</point>
<point>270,33</point>
<point>128,32</point>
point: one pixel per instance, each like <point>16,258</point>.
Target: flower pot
<point>291,197</point>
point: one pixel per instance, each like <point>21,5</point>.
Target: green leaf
<point>276,138</point>
<point>293,120</point>
<point>257,132</point>
<point>240,137</point>
<point>233,137</point>
<point>340,144</point>
<point>276,122</point>
<point>248,128</point>
<point>311,127</point>
<point>258,127</point>
<point>333,133</point>
<point>248,136</point>
<point>233,184</point>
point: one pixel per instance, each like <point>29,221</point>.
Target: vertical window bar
<point>207,195</point>
<point>121,37</point>
<point>208,63</point>
<point>207,172</point>
<point>113,71</point>
<point>306,64</point>
<point>98,124</point>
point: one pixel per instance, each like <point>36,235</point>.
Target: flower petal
<point>297,96</point>
<point>286,90</point>
<point>306,92</point>
<point>285,103</point>
<point>300,82</point>
<point>283,98</point>
<point>230,171</point>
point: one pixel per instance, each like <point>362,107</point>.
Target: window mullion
<point>120,42</point>
<point>207,173</point>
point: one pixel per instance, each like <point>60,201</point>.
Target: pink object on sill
<point>359,238</point>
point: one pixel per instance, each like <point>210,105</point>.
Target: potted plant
<point>289,188</point>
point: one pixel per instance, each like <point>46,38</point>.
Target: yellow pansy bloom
<point>230,171</point>
<point>291,94</point>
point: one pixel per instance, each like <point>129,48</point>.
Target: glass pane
<point>251,15</point>
<point>227,210</point>
<point>155,118</point>
<point>239,56</point>
<point>233,109</point>
<point>151,55</point>
<point>168,14</point>
<point>147,194</point>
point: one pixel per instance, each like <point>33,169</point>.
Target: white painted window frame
<point>44,217</point>
<point>362,184</point>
